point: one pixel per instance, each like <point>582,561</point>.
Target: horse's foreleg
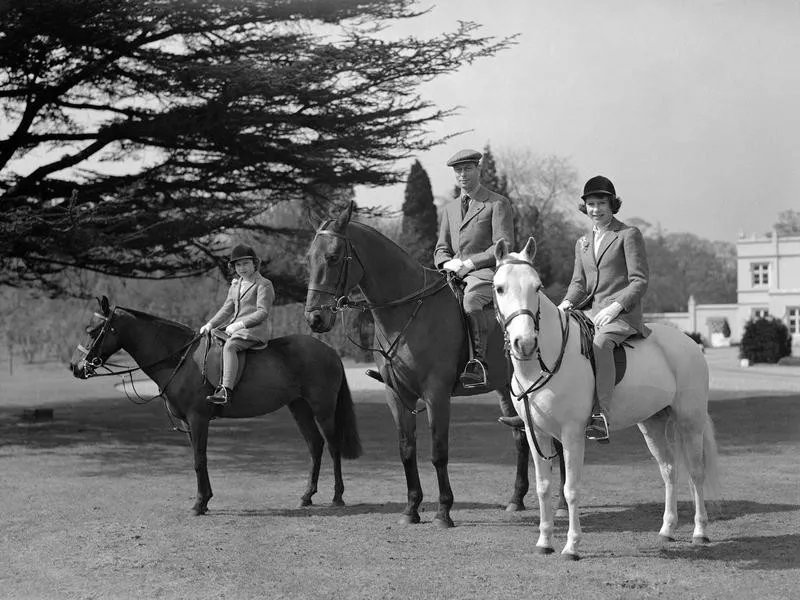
<point>654,430</point>
<point>573,445</point>
<point>544,476</point>
<point>439,419</point>
<point>521,482</point>
<point>198,426</point>
<point>406,423</point>
<point>304,417</point>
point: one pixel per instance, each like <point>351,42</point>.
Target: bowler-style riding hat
<point>599,186</point>
<point>242,252</point>
<point>464,156</point>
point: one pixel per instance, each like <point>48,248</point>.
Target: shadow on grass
<point>772,553</point>
<point>427,510</point>
<point>647,517</point>
<point>122,436</point>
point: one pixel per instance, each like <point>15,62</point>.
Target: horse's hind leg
<point>521,482</point>
<point>198,434</point>
<point>304,418</point>
<point>328,425</point>
<point>692,444</point>
<point>655,434</point>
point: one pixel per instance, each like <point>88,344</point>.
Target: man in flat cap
<point>471,226</point>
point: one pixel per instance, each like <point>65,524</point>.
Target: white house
<point>768,284</point>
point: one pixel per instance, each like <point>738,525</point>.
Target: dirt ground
<point>96,505</point>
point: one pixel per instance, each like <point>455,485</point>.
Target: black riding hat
<point>242,252</point>
<point>599,186</point>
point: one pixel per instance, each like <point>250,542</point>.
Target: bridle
<point>545,373</point>
<point>339,293</point>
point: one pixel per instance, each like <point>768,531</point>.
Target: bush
<point>696,336</point>
<point>726,329</point>
<point>765,341</point>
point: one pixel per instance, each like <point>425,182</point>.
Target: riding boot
<point>605,372</point>
<point>222,396</point>
<point>374,374</point>
<point>515,421</point>
<point>475,372</point>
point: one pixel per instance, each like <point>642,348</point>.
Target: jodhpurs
<point>230,359</point>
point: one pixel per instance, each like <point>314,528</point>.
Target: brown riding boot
<point>222,396</point>
<point>476,372</point>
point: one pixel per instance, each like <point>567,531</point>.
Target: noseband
<point>92,364</point>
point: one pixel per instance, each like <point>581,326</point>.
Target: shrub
<point>726,329</point>
<point>696,336</point>
<point>765,341</point>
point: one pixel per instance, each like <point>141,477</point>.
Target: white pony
<point>664,392</point>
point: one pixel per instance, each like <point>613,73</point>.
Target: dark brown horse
<point>419,324</point>
<point>297,370</point>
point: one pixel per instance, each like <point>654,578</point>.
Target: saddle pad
<point>620,362</point>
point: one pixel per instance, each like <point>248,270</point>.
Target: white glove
<point>466,267</point>
<point>565,304</point>
<point>206,328</point>
<point>234,327</point>
<point>454,265</point>
<point>608,314</point>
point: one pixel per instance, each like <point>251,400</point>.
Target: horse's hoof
<point>562,513</point>
<point>543,550</point>
<point>515,507</point>
<point>199,510</point>
<point>409,520</point>
<point>305,502</point>
<point>569,556</point>
<point>665,539</point>
<point>444,522</point>
<point>700,539</point>
<point>337,502</point>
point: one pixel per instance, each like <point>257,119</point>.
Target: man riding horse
<point>468,232</point>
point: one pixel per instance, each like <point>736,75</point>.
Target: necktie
<point>464,205</point>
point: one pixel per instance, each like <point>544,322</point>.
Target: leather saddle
<point>212,363</point>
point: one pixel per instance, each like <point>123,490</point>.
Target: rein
<point>546,373</point>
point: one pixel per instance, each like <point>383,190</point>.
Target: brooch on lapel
<point>234,281</point>
<point>584,243</point>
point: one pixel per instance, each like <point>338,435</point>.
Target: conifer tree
<point>418,233</point>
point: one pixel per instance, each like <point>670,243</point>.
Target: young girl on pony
<point>244,315</point>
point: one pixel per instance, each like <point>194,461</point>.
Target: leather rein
<point>546,373</point>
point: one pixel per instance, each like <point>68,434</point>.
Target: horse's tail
<point>346,429</point>
<point>710,459</point>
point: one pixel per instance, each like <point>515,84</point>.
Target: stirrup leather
<point>474,368</point>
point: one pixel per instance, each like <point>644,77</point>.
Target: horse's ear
<point>529,251</point>
<point>500,250</point>
<point>105,309</point>
<point>344,218</point>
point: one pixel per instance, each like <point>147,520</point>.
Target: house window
<point>793,319</point>
<point>760,274</point>
<point>760,313</point>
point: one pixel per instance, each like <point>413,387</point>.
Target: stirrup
<point>221,397</point>
<point>597,431</point>
<point>374,374</point>
<point>474,375</point>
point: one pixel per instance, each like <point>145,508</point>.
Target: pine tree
<point>490,177</point>
<point>418,233</point>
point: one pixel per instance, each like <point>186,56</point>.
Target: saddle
<point>212,362</point>
<point>587,349</point>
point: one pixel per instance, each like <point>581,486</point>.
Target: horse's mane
<point>160,320</point>
<point>391,241</point>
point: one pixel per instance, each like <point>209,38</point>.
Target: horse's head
<point>103,342</point>
<point>517,289</point>
<point>334,270</point>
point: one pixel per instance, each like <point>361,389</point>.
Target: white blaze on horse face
<point>516,287</point>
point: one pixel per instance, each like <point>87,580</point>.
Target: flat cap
<point>463,156</point>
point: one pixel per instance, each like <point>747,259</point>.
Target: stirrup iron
<point>474,367</point>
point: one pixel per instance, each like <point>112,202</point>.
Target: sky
<point>691,107</point>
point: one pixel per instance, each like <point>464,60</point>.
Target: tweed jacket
<point>250,303</point>
<point>488,220</point>
<point>618,273</point>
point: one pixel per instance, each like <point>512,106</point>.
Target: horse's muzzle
<point>318,322</point>
<point>82,369</point>
<point>523,347</point>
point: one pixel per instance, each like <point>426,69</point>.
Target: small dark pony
<point>297,370</point>
<point>420,326</point>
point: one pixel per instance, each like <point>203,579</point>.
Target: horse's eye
<point>332,258</point>
<point>499,289</point>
